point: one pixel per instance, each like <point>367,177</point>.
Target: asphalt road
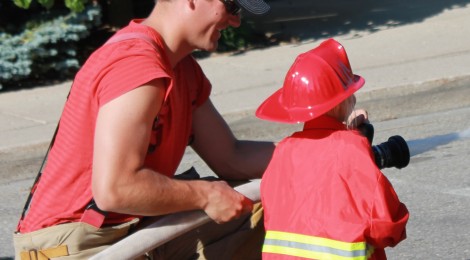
<point>435,186</point>
<point>434,119</point>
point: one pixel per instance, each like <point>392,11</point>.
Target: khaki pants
<point>238,239</point>
<point>76,240</point>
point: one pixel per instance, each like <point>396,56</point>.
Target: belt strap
<point>93,215</point>
<point>45,254</point>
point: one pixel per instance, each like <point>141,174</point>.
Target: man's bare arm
<point>228,157</point>
<point>122,184</point>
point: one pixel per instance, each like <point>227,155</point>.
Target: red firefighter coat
<point>324,197</point>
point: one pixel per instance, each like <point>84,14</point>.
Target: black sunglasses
<point>231,7</point>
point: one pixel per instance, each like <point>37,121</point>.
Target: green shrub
<point>45,46</point>
<point>74,5</point>
<point>57,37</point>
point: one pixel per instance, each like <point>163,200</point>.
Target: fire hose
<point>167,228</point>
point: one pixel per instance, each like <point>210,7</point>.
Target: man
<point>133,108</point>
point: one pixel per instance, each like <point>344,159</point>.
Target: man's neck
<point>175,46</point>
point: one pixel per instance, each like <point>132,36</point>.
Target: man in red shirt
<point>133,108</point>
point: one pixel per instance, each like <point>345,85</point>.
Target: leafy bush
<point>74,5</point>
<point>45,46</point>
<point>241,38</point>
<point>58,36</point>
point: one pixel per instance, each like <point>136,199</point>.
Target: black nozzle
<point>393,153</point>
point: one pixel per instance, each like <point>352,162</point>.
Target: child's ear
<point>192,4</point>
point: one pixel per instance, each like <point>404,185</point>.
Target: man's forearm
<point>147,193</point>
<point>249,161</point>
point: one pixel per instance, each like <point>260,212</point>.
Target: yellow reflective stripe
<point>307,254</point>
<point>315,240</point>
<point>314,247</point>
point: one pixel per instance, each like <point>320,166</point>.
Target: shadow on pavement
<point>430,143</point>
<point>309,19</point>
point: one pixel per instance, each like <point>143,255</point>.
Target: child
<point>323,195</point>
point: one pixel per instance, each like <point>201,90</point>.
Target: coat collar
<point>324,122</point>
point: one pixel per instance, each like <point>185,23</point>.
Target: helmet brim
<point>272,109</point>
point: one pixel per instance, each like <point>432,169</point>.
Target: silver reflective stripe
<point>313,247</point>
<point>317,248</point>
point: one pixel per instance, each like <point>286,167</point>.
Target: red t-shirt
<point>114,69</point>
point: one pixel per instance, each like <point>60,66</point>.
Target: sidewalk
<point>403,59</point>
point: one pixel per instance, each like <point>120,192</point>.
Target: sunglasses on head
<point>231,7</point>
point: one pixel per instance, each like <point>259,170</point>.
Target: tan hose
<point>166,229</point>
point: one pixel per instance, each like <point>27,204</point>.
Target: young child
<point>323,195</point>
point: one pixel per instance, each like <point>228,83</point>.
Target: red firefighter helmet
<point>318,80</point>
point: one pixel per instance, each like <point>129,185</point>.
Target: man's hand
<point>224,203</point>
